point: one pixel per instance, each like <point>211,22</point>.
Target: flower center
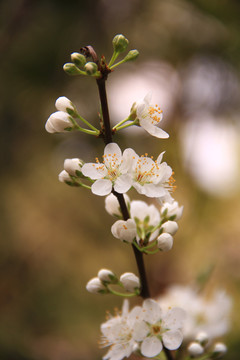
<point>112,164</point>
<point>155,114</point>
<point>142,173</point>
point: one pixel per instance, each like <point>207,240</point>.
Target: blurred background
<point>55,238</point>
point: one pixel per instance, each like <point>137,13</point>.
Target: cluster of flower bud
<point>100,284</point>
<point>61,120</point>
<point>146,223</point>
<point>72,172</point>
<point>80,66</point>
<point>199,347</point>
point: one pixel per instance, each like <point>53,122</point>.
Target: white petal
<point>152,190</point>
<point>128,157</point>
<point>49,127</point>
<point>152,311</point>
<point>140,330</point>
<point>102,187</point>
<point>174,318</point>
<point>153,129</point>
<point>123,183</point>
<point>160,156</point>
<point>147,99</point>
<point>111,149</point>
<point>151,347</point>
<point>172,339</point>
<point>94,171</point>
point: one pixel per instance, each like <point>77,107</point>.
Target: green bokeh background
<point>55,238</point>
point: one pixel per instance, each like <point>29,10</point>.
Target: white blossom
<point>172,209</point>
<point>130,281</point>
<point>112,205</point>
<point>117,332</point>
<point>106,275</point>
<point>111,173</point>
<point>219,349</point>
<point>146,216</point>
<point>170,227</point>
<point>63,104</point>
<point>72,165</point>
<point>156,328</point>
<point>204,314</point>
<point>64,176</point>
<point>124,230</point>
<point>149,117</point>
<point>59,121</point>
<point>151,178</point>
<point>165,242</point>
<point>195,349</point>
<point>95,286</point>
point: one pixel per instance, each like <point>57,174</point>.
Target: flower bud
<point>172,209</point>
<point>90,68</point>
<point>112,205</point>
<point>71,69</point>
<point>202,338</point>
<point>124,230</point>
<point>78,59</point>
<point>130,282</point>
<point>219,350</point>
<point>64,176</point>
<point>65,105</point>
<point>95,286</point>
<point>165,242</point>
<point>120,43</point>
<point>72,166</point>
<point>195,349</point>
<point>58,122</point>
<point>170,227</point>
<point>108,276</point>
<point>132,55</point>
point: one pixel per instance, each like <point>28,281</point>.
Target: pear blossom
<point>72,165</point>
<point>117,332</point>
<point>64,104</point>
<point>156,328</point>
<point>106,275</point>
<point>111,173</point>
<point>149,117</point>
<point>170,227</point>
<point>130,282</point>
<point>172,209</point>
<point>64,176</point>
<point>204,314</point>
<point>112,205</point>
<point>195,349</point>
<point>95,286</point>
<point>146,217</point>
<point>151,178</point>
<point>124,230</point>
<point>59,121</point>
<point>165,242</point>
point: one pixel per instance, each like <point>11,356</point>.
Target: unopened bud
<point>78,59</point>
<point>202,338</point>
<point>132,55</point>
<point>165,242</point>
<point>73,166</point>
<point>90,68</point>
<point>64,104</point>
<point>130,282</point>
<point>71,69</point>
<point>219,350</point>
<point>95,286</point>
<point>120,43</point>
<point>64,176</point>
<point>170,227</point>
<point>195,349</point>
<point>112,205</point>
<point>108,276</point>
<point>124,230</point>
<point>59,121</point>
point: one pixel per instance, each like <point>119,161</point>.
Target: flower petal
<point>174,318</point>
<point>153,129</point>
<point>152,311</point>
<point>123,183</point>
<point>151,347</point>
<point>94,171</point>
<point>102,187</point>
<point>172,339</point>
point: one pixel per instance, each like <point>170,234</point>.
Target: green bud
<point>132,55</point>
<point>71,69</point>
<point>120,43</point>
<point>90,68</point>
<point>78,59</point>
